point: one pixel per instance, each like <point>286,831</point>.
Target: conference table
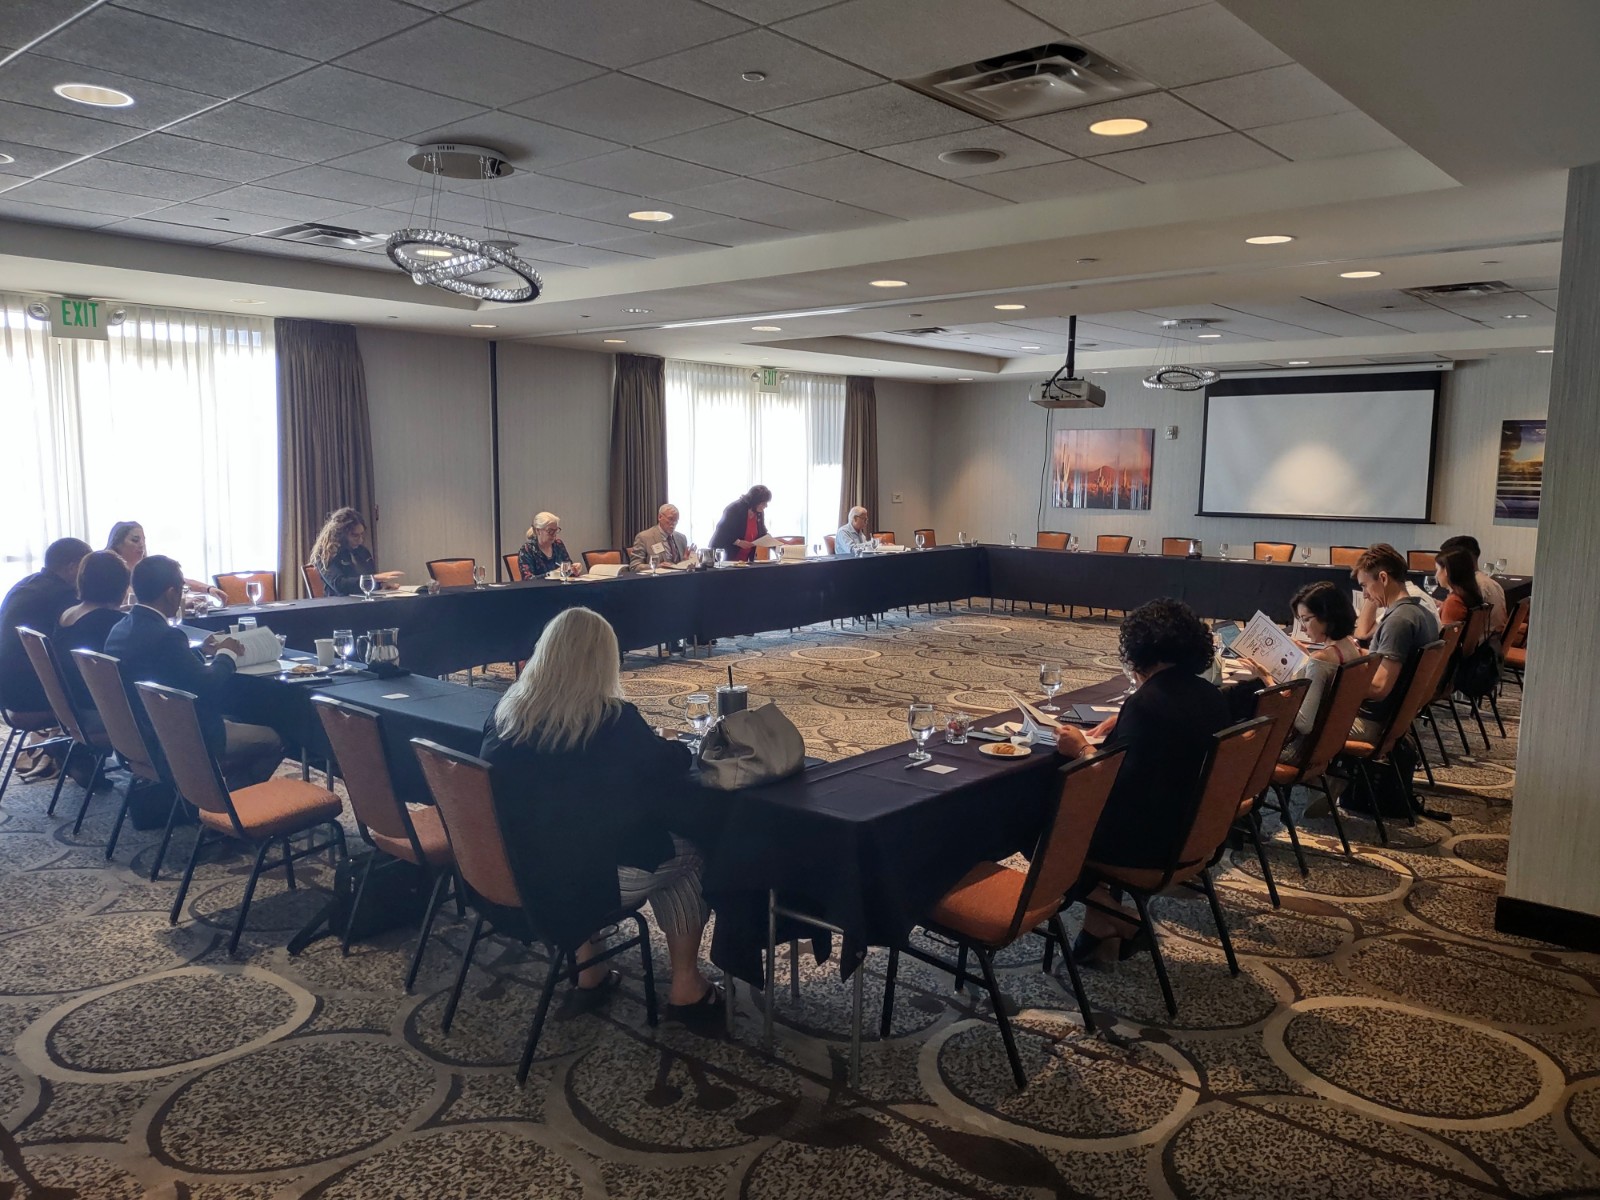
<point>458,628</point>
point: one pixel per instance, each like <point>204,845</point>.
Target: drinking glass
<point>1500,566</point>
<point>1305,555</point>
<point>922,541</point>
<point>722,556</point>
<point>1142,544</point>
<point>252,589</point>
<point>344,643</point>
<point>697,708</point>
<point>816,549</point>
<point>1073,543</point>
<point>1013,541</point>
<point>1050,680</point>
<point>961,538</point>
<point>480,573</point>
<point>1133,682</point>
<point>1224,551</point>
<point>956,728</point>
<point>919,720</point>
<point>368,586</point>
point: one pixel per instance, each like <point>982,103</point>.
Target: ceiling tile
<point>1191,160</point>
<point>629,31</point>
<point>1171,120</point>
<point>148,48</point>
<point>345,186</point>
<point>748,198</point>
<point>170,152</point>
<point>747,146</point>
<point>624,109</point>
<point>1189,47</point>
<point>110,175</point>
<point>641,172</point>
<point>273,248</point>
<point>1313,314</point>
<point>1019,151</point>
<point>1080,17</point>
<point>1270,97</point>
<point>23,20</point>
<point>204,216</point>
<point>321,30</point>
<point>144,227</point>
<point>1052,181</point>
<point>30,78</point>
<point>585,256</point>
<point>362,102</point>
<point>19,210</point>
<point>83,199</point>
<point>764,12</point>
<point>32,160</point>
<point>468,63</point>
<point>264,131</point>
<point>877,116</point>
<point>60,130</point>
<point>564,196</point>
<point>883,36</point>
<point>725,231</point>
<point>882,186</point>
<point>531,145</point>
<point>1327,137</point>
<point>559,227</point>
<point>660,245</point>
<point>291,206</point>
<point>794,72</point>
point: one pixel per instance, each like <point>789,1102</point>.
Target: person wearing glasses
<point>662,539</point>
<point>852,537</point>
<point>544,552</point>
<point>341,556</point>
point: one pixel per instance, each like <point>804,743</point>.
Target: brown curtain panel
<point>638,445</point>
<point>860,475</point>
<point>324,438</point>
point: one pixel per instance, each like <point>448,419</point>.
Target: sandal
<point>587,999</point>
<point>707,1008</point>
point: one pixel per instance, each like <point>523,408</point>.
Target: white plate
<point>993,749</point>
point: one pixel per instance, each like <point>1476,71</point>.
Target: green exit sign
<point>71,317</point>
<point>770,379</point>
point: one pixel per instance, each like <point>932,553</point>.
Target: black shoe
<point>1139,943</point>
<point>1089,950</point>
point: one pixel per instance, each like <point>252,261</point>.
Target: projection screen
<point>1334,447</point>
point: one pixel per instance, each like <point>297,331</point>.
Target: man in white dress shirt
<point>673,546</point>
<point>852,537</point>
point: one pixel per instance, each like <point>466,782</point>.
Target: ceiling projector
<point>1061,390</point>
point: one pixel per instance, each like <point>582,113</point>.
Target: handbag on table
<point>750,747</point>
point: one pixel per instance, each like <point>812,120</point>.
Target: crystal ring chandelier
<point>1169,374</point>
<point>470,257</point>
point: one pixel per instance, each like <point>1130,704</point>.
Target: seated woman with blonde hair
<point>544,552</point>
<point>588,797</point>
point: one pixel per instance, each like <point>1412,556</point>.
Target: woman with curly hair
<point>340,555</point>
<point>1167,726</point>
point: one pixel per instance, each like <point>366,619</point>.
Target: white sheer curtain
<point>723,435</point>
<point>172,423</point>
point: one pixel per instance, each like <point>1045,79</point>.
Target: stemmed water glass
<point>369,584</point>
<point>252,589</point>
<point>1073,543</point>
<point>1142,545</point>
<point>922,541</point>
<point>344,643</point>
<point>697,708</point>
<point>1013,541</point>
<point>919,720</point>
<point>1224,551</point>
<point>480,573</point>
<point>1050,681</point>
<point>1500,566</point>
<point>1133,682</point>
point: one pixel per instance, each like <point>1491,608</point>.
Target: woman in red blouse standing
<point>743,524</point>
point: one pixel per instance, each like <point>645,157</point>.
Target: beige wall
<point>429,401</point>
<point>990,442</point>
<point>905,458</point>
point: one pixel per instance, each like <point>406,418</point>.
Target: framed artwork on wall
<point>1519,482</point>
<point>1102,468</point>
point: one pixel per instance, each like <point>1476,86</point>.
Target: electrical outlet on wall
<point>896,497</point>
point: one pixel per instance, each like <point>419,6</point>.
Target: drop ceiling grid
<point>307,88</point>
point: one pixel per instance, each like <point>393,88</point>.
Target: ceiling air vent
<point>1027,83</point>
<point>925,331</point>
<point>339,238</point>
<point>1461,291</point>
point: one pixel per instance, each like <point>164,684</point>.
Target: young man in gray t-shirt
<point>1406,627</point>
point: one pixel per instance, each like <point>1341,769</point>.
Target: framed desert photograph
<point>1101,468</point>
<point>1520,480</point>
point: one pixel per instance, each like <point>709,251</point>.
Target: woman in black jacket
<point>586,790</point>
<point>742,524</point>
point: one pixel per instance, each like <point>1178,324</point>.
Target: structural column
<point>1553,876</point>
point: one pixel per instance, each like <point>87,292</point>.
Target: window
<point>171,423</point>
<point>723,436</point>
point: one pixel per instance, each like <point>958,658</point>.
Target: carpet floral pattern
<point>1382,1040</point>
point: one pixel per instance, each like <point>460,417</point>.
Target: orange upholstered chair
<point>86,735</point>
<point>993,906</point>
<point>1345,556</point>
<point>452,572</point>
<point>512,565</point>
<point>1274,551</point>
<point>1176,547</point>
<point>929,538</point>
<point>1113,543</point>
<point>313,581</point>
<point>264,813</point>
<point>886,536</point>
<point>1516,640</point>
<point>1280,705</point>
<point>1427,666</point>
<point>601,558</point>
<point>1453,636</point>
<point>461,789</point>
<point>1051,539</point>
<point>1422,560</point>
<point>233,584</point>
<point>831,542</point>
<point>102,675</point>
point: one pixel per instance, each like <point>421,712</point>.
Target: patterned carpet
<point>1381,1041</point>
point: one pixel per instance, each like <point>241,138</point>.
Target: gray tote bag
<point>757,745</point>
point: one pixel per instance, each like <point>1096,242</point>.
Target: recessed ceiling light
<point>1300,362</point>
<point>1544,351</point>
<point>246,301</point>
<point>1208,335</point>
<point>649,214</point>
<point>974,156</point>
<point>88,93</point>
<point>888,283</point>
<point>433,252</point>
<point>963,378</point>
<point>1119,126</point>
<point>1516,316</point>
<point>754,76</point>
<point>636,310</point>
<point>1031,347</point>
<point>1269,239</point>
<point>1359,274</point>
<point>1010,307</point>
<point>767,328</point>
<point>616,341</point>
<point>475,325</point>
<point>6,158</point>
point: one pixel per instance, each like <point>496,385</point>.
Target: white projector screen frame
<point>1372,456</point>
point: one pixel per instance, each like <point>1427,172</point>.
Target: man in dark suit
<point>37,602</point>
<point>662,538</point>
<point>150,650</point>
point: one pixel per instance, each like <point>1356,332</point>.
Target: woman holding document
<point>1325,622</point>
<point>743,524</point>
